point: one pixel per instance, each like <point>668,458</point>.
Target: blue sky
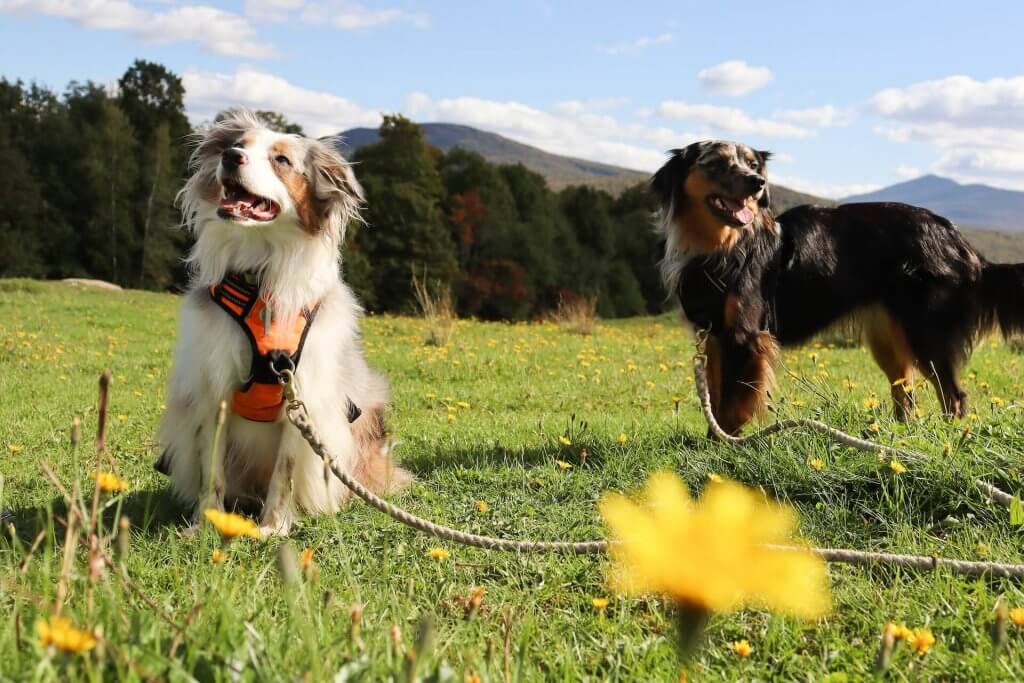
<point>850,96</point>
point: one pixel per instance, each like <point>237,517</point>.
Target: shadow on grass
<point>148,510</point>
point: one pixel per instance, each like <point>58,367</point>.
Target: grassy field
<point>480,420</point>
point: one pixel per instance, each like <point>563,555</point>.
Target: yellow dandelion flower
<point>600,604</point>
<point>742,648</point>
<point>218,556</point>
<point>816,463</point>
<point>563,465</point>
<point>438,554</point>
<point>899,631</point>
<point>231,525</point>
<point>122,417</point>
<point>463,404</point>
<point>874,427</point>
<point>622,439</point>
<point>676,400</point>
<point>921,640</point>
<point>870,403</point>
<point>62,634</point>
<point>110,483</point>
<point>996,401</point>
<point>14,448</point>
<point>564,440</point>
<point>717,554</point>
<point>1017,616</point>
<point>897,467</point>
<point>798,403</point>
<point>306,558</point>
<point>451,417</point>
<point>482,506</point>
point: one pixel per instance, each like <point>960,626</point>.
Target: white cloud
<point>975,126</point>
<point>343,14</point>
<point>319,113</point>
<point>729,120</point>
<point>593,105</point>
<point>734,78</point>
<point>906,172</point>
<point>639,44</point>
<point>216,30</point>
<point>825,116</point>
<point>821,188</point>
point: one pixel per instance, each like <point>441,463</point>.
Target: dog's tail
<point>375,467</point>
<point>1003,296</point>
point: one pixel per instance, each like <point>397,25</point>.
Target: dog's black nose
<point>233,158</point>
<point>754,183</point>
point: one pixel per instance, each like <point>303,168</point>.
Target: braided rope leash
<point>700,361</point>
<point>299,417</point>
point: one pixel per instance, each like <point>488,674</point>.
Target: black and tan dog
<point>921,294</point>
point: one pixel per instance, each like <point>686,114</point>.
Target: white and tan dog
<point>270,210</point>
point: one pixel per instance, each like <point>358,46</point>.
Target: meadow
<point>514,430</point>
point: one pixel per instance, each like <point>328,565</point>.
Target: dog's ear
<point>667,182</point>
<point>765,202</point>
<point>333,185</point>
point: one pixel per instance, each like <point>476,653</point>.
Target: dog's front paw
<point>280,529</point>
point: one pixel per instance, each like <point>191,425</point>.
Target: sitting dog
<point>269,212</point>
<point>921,294</point>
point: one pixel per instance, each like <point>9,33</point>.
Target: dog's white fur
<point>298,265</point>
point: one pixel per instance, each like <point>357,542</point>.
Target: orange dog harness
<point>276,346</point>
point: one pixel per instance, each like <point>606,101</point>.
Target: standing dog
<point>920,292</point>
<point>268,212</point>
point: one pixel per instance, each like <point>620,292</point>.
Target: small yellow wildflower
<point>482,506</point>
<point>816,463</point>
<point>62,634</point>
<point>899,631</point>
<point>1017,616</point>
<point>676,400</point>
<point>922,640</point>
<point>896,466</point>
<point>870,403</point>
<point>14,448</point>
<point>439,553</point>
<point>110,483</point>
<point>600,604</point>
<point>231,525</point>
<point>563,465</point>
<point>218,556</point>
<point>451,417</point>
<point>996,401</point>
<point>564,440</point>
<point>622,439</point>
<point>122,418</point>
<point>742,648</point>
<point>463,404</point>
<point>306,558</point>
<point>874,427</point>
<point>714,554</point>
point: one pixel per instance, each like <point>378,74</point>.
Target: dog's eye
<point>283,160</point>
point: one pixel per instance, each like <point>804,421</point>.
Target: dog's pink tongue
<point>740,210</point>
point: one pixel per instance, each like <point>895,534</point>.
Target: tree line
<point>88,179</point>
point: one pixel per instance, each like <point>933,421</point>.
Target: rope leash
<point>299,417</point>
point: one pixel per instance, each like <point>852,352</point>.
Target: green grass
<point>525,386</point>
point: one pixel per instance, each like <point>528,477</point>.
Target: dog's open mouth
<point>733,211</point>
<point>237,203</point>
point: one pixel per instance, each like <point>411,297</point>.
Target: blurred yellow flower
<point>563,465</point>
<point>231,525</point>
<point>816,463</point>
<point>600,604</point>
<point>1017,616</point>
<point>14,448</point>
<point>622,439</point>
<point>718,554</point>
<point>874,427</point>
<point>61,633</point>
<point>921,640</point>
<point>306,558</point>
<point>896,466</point>
<point>439,553</point>
<point>110,483</point>
<point>996,401</point>
<point>564,440</point>
<point>218,556</point>
<point>870,403</point>
<point>463,404</point>
<point>742,648</point>
<point>482,506</point>
<point>898,631</point>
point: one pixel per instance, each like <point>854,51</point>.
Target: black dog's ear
<point>668,181</point>
<point>765,202</point>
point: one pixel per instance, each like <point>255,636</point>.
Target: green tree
<point>405,231</point>
<point>277,121</point>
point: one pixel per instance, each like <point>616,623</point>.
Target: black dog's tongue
<point>740,211</point>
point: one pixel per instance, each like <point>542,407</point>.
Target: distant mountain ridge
<point>559,171</point>
<point>975,205</point>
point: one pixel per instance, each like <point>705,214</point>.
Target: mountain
<point>559,170</point>
<point>976,206</point>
